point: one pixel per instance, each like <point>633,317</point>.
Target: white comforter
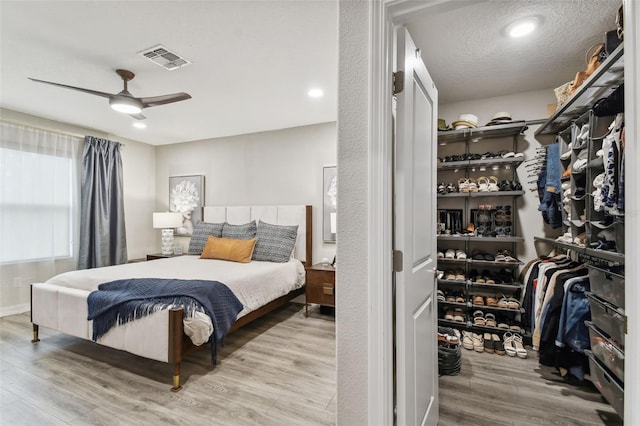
<point>254,284</point>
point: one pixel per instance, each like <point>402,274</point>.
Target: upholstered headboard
<point>278,215</point>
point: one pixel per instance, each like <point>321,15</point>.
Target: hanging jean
<point>550,202</point>
<point>575,310</point>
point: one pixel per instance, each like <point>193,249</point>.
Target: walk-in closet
<point>531,230</point>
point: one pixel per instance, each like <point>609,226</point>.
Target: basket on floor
<point>449,356</point>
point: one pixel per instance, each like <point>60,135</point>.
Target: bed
<point>167,335</point>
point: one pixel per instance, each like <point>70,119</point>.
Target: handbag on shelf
<point>611,105</point>
<point>611,41</point>
<point>620,24</point>
<point>593,61</point>
<point>562,93</point>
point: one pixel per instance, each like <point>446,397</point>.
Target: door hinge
<point>398,82</point>
<point>397,261</point>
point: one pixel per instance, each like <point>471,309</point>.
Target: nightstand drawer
<point>321,292</point>
<point>320,286</point>
<point>316,277</point>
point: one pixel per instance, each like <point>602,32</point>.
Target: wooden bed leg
<point>176,378</point>
<point>35,334</point>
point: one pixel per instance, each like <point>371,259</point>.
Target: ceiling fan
<point>125,102</point>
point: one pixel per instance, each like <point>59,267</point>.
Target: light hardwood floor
<point>279,370</point>
<point>503,390</point>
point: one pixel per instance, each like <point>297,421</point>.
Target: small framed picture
<point>177,250</point>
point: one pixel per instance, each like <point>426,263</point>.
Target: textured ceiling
<point>468,55</point>
<point>253,61</point>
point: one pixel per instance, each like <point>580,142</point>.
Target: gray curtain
<point>102,233</point>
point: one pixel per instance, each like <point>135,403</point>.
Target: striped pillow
<point>239,232</point>
<point>201,233</point>
<point>275,242</point>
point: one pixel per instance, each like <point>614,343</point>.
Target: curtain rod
<point>49,129</point>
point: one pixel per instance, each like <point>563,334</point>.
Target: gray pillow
<point>274,242</point>
<point>200,235</point>
<point>239,232</point>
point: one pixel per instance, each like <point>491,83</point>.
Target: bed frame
<point>180,344</point>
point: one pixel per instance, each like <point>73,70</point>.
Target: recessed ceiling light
<point>522,27</point>
<point>139,125</point>
<point>315,93</point>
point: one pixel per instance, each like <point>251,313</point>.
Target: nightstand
<point>160,256</point>
<point>320,286</point>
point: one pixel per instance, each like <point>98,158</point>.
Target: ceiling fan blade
<point>80,89</point>
<point>164,99</point>
<point>138,116</point>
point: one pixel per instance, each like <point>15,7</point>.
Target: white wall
<point>522,106</point>
<point>276,167</point>
<point>352,281</point>
<point>138,161</point>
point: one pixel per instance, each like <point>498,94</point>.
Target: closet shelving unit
<point>606,297</point>
<point>467,140</point>
<point>604,80</point>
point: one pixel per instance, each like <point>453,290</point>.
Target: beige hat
<point>466,121</point>
<point>501,117</point>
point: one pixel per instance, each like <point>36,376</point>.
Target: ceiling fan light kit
<point>124,101</point>
<point>125,104</point>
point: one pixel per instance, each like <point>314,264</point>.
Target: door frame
<point>384,15</point>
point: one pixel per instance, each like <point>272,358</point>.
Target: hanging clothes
<point>549,188</point>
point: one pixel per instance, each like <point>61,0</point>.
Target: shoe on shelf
<point>463,185</point>
<point>509,347</point>
<point>490,320</point>
<point>521,352</point>
<point>460,254</point>
<point>460,275</point>
<point>493,184</point>
<point>513,303</point>
<point>467,340</point>
<point>478,318</point>
<point>458,316</point>
<point>483,184</point>
<point>498,345</point>
<point>488,343</point>
<point>503,301</point>
<point>478,342</point>
<point>448,339</point>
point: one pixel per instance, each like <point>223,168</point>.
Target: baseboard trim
<point>14,310</point>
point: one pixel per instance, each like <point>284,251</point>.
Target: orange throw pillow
<point>228,249</point>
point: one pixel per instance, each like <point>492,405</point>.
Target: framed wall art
<point>329,208</point>
<point>186,196</point>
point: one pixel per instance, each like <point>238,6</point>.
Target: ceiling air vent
<point>162,56</point>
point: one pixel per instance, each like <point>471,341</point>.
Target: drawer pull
<point>327,290</point>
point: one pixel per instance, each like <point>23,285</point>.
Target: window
<point>38,197</point>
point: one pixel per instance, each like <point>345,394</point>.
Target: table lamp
<point>167,221</point>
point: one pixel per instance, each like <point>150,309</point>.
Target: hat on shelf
<point>501,117</point>
<point>466,121</point>
<point>442,124</point>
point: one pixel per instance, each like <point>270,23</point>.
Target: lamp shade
<point>167,220</point>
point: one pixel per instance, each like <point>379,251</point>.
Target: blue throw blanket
<point>121,301</point>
